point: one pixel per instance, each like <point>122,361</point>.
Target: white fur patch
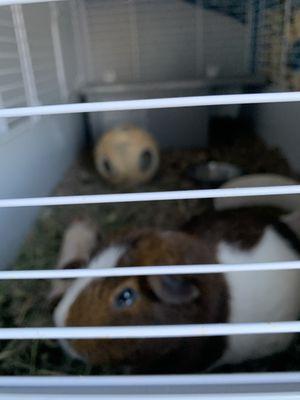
<point>106,259</point>
<point>260,296</point>
<point>78,243</point>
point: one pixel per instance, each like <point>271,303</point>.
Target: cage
<point>72,69</point>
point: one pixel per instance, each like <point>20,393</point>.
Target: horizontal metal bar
<point>292,395</point>
<point>149,331</point>
<point>150,196</point>
<point>175,85</point>
<point>12,2</point>
<point>143,271</point>
<point>144,104</point>
<point>150,380</point>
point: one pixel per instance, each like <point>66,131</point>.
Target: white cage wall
<point>38,63</point>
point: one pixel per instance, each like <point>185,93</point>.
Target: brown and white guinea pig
<point>245,235</point>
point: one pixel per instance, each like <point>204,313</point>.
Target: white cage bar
<point>150,331</point>
<point>145,271</point>
<point>151,196</point>
<point>146,104</point>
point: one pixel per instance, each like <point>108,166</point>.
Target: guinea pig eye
<point>126,298</point>
<point>146,160</point>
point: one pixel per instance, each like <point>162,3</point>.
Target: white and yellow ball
<point>127,156</point>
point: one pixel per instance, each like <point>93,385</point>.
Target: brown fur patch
<point>243,227</point>
<point>150,247</point>
<point>96,306</point>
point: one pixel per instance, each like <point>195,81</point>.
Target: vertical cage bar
<point>84,29</point>
<point>24,55</point>
<point>134,35</point>
<point>78,44</point>
<point>57,48</point>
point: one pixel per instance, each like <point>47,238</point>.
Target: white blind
<point>39,34</point>
<point>151,40</point>
<point>12,92</point>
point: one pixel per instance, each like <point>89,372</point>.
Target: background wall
<point>38,60</point>
<point>31,164</point>
<point>279,125</point>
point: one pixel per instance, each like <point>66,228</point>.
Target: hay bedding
<point>23,303</point>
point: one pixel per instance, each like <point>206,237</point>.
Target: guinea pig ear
<point>173,289</point>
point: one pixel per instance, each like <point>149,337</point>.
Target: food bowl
<point>213,174</point>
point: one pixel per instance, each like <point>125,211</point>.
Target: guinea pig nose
<point>126,298</point>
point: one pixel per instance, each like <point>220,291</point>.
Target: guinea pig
<point>246,235</point>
